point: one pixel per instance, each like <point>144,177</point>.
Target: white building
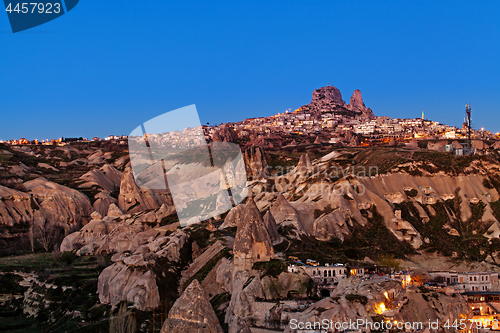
<point>468,281</point>
<point>322,275</point>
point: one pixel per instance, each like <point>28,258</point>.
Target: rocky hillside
<point>398,207</point>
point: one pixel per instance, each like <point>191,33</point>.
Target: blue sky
<point>108,66</point>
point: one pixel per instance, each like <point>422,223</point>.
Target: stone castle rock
<point>329,99</point>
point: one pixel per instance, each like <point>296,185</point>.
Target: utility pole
<point>468,113</point>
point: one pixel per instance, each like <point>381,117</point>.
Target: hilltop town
<point>326,119</point>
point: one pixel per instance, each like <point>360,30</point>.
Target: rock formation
<point>255,163</point>
<point>130,277</point>
<point>119,283</point>
<point>382,297</point>
<point>234,217</point>
<point>329,99</point>
<point>16,207</point>
<point>133,199</point>
<point>332,225</point>
<point>252,242</point>
<point>356,104</point>
<point>102,202</point>
<point>45,202</point>
<point>437,146</point>
<point>285,214</point>
<point>114,211</point>
<point>223,133</point>
<point>272,228</point>
<point>248,291</point>
<point>328,94</point>
<point>107,177</point>
<point>304,166</point>
<point>192,312</point>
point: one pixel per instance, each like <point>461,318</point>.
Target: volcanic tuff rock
<point>326,209</point>
<point>437,146</point>
<point>200,262</point>
<point>401,305</point>
<point>107,177</point>
<point>130,277</point>
<point>272,228</point>
<point>304,166</point>
<point>133,199</point>
<point>327,94</point>
<point>249,289</point>
<point>46,202</point>
<point>16,207</point>
<point>220,278</point>
<point>329,99</point>
<point>285,214</point>
<point>255,162</point>
<point>102,202</point>
<point>60,204</point>
<point>114,211</point>
<point>192,312</point>
<point>234,217</point>
<point>119,283</point>
<point>332,225</point>
<point>99,157</point>
<point>252,242</point>
<point>356,104</point>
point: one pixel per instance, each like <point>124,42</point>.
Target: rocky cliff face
<point>192,312</point>
<point>102,202</point>
<point>285,214</point>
